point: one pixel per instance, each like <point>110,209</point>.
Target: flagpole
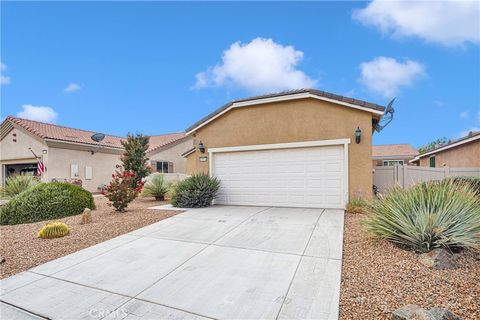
<point>36,157</point>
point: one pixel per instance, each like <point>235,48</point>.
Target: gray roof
<point>316,92</point>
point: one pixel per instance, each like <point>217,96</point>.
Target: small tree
<point>135,157</point>
<point>120,191</point>
<point>432,145</point>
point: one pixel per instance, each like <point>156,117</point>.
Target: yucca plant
<point>53,230</point>
<point>156,186</point>
<point>427,216</point>
<point>196,191</point>
<point>357,205</point>
<point>17,184</point>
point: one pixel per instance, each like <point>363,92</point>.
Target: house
<point>295,149</point>
<point>392,154</point>
<point>461,153</point>
<point>70,154</point>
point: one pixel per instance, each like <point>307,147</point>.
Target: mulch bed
<point>22,249</point>
<point>379,277</point>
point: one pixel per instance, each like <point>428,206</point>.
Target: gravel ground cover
<point>379,277</point>
<point>22,249</point>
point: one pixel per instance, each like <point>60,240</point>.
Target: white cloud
<point>464,114</point>
<point>260,66</point>
<point>3,79</point>
<point>445,22</point>
<point>72,87</point>
<point>386,76</point>
<point>38,113</point>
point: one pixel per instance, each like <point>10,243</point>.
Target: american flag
<point>40,167</point>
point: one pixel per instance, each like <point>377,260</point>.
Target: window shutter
<point>170,167</point>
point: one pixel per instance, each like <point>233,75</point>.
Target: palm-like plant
<point>427,216</point>
<point>17,184</point>
<point>157,186</point>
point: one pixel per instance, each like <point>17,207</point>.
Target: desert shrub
<point>357,205</point>
<point>46,201</point>
<point>53,230</point>
<point>121,190</point>
<point>195,192</point>
<point>156,186</point>
<point>17,184</point>
<point>474,182</point>
<point>427,216</point>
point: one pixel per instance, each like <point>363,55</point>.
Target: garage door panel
<point>301,177</point>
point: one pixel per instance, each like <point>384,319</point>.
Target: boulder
<point>410,312</point>
<point>86,216</point>
<point>414,312</point>
<point>438,259</point>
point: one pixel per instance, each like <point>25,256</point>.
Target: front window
<point>432,162</point>
<point>393,162</point>
<point>164,167</point>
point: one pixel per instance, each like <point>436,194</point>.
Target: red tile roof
<point>387,150</point>
<point>61,133</point>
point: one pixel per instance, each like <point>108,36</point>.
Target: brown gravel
<point>22,249</point>
<point>379,277</point>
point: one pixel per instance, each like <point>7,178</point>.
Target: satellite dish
<point>97,137</point>
<point>387,117</point>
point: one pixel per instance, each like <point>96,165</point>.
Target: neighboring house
<point>393,154</point>
<point>71,154</point>
<point>293,149</point>
<point>461,153</point>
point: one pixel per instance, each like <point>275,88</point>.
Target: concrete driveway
<point>222,262</point>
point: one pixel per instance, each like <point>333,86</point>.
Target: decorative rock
<point>414,312</point>
<point>443,314</point>
<point>438,259</point>
<point>86,216</point>
<point>410,312</point>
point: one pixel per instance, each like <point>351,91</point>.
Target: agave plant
<point>17,184</point>
<point>427,216</point>
<point>157,186</point>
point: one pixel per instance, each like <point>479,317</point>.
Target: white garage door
<point>297,177</point>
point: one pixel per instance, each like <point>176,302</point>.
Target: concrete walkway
<point>222,262</point>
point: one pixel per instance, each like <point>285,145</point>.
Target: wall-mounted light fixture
<point>201,147</point>
<point>358,135</point>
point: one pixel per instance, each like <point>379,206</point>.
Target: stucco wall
<point>173,154</point>
<point>293,121</point>
<point>103,165</point>
<point>463,156</point>
<point>17,152</point>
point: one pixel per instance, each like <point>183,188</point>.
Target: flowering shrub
<point>121,190</point>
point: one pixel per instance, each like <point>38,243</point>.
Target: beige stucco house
<point>393,154</point>
<point>295,149</point>
<point>461,153</point>
<point>70,153</point>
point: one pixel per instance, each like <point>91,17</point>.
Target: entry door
<point>298,177</point>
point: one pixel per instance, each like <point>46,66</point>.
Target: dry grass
<point>379,277</point>
<point>22,249</point>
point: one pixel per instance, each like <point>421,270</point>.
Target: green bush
<point>195,192</point>
<point>17,184</point>
<point>427,216</point>
<point>156,187</point>
<point>357,205</point>
<point>46,201</point>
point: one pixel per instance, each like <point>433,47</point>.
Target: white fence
<point>405,176</point>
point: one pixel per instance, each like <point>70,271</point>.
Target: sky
<point>158,67</point>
